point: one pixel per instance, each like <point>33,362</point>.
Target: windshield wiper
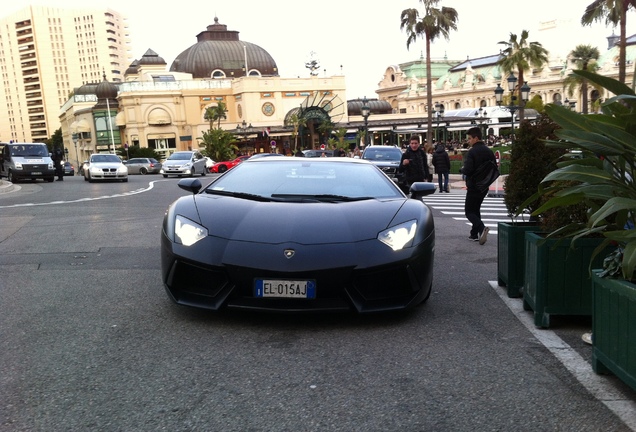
<point>320,197</point>
<point>243,195</point>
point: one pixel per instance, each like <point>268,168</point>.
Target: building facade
<point>45,53</point>
<point>164,108</point>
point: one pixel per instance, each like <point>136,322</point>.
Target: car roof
<point>311,160</point>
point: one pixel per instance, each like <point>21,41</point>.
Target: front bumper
<point>372,284</point>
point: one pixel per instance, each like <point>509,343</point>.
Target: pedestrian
<point>441,162</point>
<point>478,155</point>
<point>58,159</point>
<point>413,163</point>
<point>429,161</point>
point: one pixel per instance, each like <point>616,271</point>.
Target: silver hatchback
<point>143,166</point>
<point>182,163</point>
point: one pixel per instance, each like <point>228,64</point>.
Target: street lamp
<point>482,117</point>
<point>525,92</point>
<point>366,112</point>
<point>439,112</point>
<point>74,136</point>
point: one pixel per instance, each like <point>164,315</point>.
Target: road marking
<point>134,192</point>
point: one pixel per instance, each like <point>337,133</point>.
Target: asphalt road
<point>90,342</point>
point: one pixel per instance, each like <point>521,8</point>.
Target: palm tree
<point>612,12</point>
<point>519,56</point>
<point>296,122</point>
<point>584,57</point>
<point>435,23</point>
<point>216,113</point>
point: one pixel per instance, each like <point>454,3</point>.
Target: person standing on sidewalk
<point>478,155</point>
<point>441,162</point>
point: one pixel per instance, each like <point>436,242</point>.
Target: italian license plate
<point>36,173</point>
<point>273,288</point>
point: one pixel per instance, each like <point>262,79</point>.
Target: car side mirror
<point>421,189</point>
<point>190,185</point>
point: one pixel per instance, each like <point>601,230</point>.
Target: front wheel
<point>10,177</point>
<point>165,176</point>
<point>222,168</point>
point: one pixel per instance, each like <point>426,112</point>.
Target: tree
<point>612,12</point>
<point>435,23</point>
<point>216,113</point>
<point>56,140</point>
<point>340,134</point>
<point>134,151</point>
<point>219,144</point>
<point>584,58</point>
<point>325,128</point>
<point>520,55</point>
<point>296,122</point>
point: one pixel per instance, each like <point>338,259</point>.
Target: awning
<point>159,117</point>
<point>120,119</point>
<point>83,126</point>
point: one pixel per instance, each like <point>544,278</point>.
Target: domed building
<point>219,53</point>
<point>165,109</point>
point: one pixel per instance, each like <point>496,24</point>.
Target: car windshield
<point>384,154</point>
<point>299,179</point>
<point>180,156</point>
<point>29,150</point>
<point>105,158</point>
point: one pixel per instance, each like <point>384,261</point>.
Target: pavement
<point>6,186</point>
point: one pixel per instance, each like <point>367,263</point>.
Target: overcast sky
<point>359,37</point>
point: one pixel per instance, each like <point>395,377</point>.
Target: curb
<point>6,187</point>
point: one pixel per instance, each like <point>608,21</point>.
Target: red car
<point>221,167</point>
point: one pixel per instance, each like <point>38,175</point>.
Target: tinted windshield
<point>384,154</point>
<point>266,177</point>
<point>105,158</point>
<point>180,156</point>
<point>29,150</point>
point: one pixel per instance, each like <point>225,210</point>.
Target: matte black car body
<point>329,239</point>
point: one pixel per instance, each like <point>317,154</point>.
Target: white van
<point>19,161</point>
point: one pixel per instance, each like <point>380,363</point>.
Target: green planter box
<point>511,255</point>
<point>614,328</point>
<point>557,279</point>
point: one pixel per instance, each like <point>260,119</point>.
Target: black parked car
<point>387,158</point>
<point>249,239</point>
<point>69,169</point>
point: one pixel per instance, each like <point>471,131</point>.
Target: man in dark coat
<point>442,165</point>
<point>58,157</point>
<point>478,154</point>
<point>413,163</point>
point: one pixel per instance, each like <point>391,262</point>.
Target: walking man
<point>442,165</point>
<point>478,155</point>
<point>414,164</point>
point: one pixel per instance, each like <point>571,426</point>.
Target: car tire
<point>10,177</point>
<point>50,179</point>
<point>165,176</point>
<point>193,172</point>
<point>125,180</point>
<point>222,168</point>
<point>143,171</point>
<point>203,173</point>
<point>90,180</point>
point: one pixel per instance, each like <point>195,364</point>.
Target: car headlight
<point>188,232</point>
<point>123,169</point>
<point>399,236</point>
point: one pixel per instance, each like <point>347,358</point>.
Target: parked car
<point>387,158</point>
<point>249,240</point>
<point>221,167</point>
<point>317,153</point>
<point>105,167</point>
<point>143,166</point>
<point>183,163</point>
<point>69,169</point>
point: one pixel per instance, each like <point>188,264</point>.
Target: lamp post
<point>74,136</point>
<point>243,129</point>
<point>525,92</point>
<point>439,112</point>
<point>366,112</point>
<point>482,117</point>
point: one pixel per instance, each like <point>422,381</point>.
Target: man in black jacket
<point>478,154</point>
<point>442,165</point>
<point>413,163</point>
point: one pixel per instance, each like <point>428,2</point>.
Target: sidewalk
<point>456,182</point>
<point>5,186</point>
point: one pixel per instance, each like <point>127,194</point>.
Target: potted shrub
<point>603,179</point>
<point>530,161</point>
